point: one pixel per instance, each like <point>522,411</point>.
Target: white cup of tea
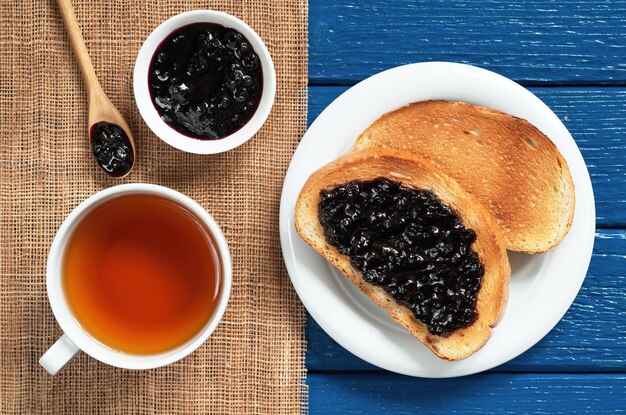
<point>130,337</point>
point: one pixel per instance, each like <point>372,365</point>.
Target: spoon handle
<point>78,45</point>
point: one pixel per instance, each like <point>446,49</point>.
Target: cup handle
<point>61,353</point>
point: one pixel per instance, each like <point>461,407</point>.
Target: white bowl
<point>149,112</point>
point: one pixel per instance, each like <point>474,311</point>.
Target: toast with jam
<point>510,166</point>
<point>412,240</point>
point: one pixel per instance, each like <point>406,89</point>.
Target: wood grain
<point>595,118</point>
<point>481,394</point>
<point>573,52</point>
<point>591,336</point>
<point>534,41</point>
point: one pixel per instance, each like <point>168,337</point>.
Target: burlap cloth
<point>254,362</point>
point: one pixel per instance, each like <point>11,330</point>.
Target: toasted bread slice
<point>510,166</point>
<point>489,246</point>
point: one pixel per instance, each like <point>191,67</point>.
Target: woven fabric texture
<point>254,362</point>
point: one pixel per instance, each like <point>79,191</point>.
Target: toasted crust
<point>510,166</point>
<point>399,166</point>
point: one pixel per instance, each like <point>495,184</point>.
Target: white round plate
<point>542,286</point>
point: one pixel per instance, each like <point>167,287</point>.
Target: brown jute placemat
<point>254,362</point>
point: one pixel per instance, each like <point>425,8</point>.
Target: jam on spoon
<point>112,148</point>
<point>111,140</point>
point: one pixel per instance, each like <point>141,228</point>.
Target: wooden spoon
<point>110,138</point>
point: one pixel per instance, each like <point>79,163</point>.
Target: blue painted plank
<point>483,394</point>
<point>583,41</point>
<point>591,336</point>
<point>596,118</point>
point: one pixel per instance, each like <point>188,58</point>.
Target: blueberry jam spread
<point>410,244</point>
<point>205,81</point>
<point>111,148</point>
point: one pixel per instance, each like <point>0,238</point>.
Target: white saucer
<point>542,286</point>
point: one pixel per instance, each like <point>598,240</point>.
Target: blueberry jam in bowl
<point>204,82</point>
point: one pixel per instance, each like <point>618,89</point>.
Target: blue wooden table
<point>572,54</point>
